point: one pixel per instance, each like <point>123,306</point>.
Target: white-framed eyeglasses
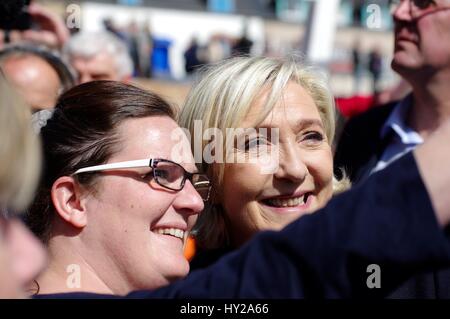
<point>166,173</point>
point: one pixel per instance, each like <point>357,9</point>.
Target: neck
<point>73,268</point>
<point>431,105</point>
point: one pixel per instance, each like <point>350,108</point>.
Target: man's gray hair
<point>89,44</point>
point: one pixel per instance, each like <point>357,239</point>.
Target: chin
<point>403,63</point>
<point>173,277</point>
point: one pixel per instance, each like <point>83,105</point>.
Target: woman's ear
<point>66,197</point>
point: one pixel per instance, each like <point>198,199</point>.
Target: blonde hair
<point>222,98</point>
<point>19,150</point>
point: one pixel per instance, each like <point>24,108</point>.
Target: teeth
<point>289,202</point>
<point>171,231</point>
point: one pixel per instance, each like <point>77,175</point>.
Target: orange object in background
<point>189,249</point>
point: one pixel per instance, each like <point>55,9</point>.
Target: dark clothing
<point>191,60</point>
<point>375,64</point>
<point>358,152</point>
<point>242,47</point>
<point>205,258</point>
<point>326,254</point>
<point>355,59</point>
<point>375,68</point>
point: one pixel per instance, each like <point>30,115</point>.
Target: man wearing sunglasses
<point>384,134</point>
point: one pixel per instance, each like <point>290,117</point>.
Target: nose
<point>291,166</point>
<point>188,200</point>
<point>403,11</point>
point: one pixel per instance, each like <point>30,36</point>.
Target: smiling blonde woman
<point>279,95</point>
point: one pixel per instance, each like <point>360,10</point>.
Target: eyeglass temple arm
<point>203,183</point>
<point>111,166</point>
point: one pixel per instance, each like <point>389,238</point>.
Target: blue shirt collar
<point>396,122</point>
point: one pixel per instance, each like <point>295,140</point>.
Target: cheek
<point>321,168</point>
<point>242,184</point>
<point>127,206</point>
<point>435,40</point>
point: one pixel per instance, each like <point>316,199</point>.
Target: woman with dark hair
<point>116,202</point>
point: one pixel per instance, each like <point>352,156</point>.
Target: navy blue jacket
<point>388,221</point>
<point>360,145</point>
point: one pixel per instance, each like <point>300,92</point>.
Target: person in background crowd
<point>243,45</point>
<point>145,50</point>
<point>191,57</point>
<point>40,26</point>
<point>375,68</point>
<point>133,46</point>
<point>357,68</point>
<point>99,56</point>
<point>379,137</point>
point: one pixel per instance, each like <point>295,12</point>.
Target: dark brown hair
<point>83,132</point>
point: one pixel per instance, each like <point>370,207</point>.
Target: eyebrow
<point>298,125</point>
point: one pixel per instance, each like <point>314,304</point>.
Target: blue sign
<point>225,6</point>
<point>130,2</point>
